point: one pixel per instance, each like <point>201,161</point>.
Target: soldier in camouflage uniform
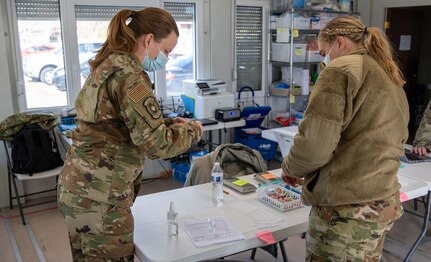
<point>349,144</point>
<point>119,123</point>
<point>422,142</point>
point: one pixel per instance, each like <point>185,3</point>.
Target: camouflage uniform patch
<point>351,233</point>
<point>138,92</point>
<point>149,109</point>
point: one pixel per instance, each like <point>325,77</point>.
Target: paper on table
<point>203,233</point>
<point>242,206</point>
<point>255,219</point>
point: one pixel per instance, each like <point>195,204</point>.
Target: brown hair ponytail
<point>372,38</point>
<point>122,36</point>
<point>381,50</point>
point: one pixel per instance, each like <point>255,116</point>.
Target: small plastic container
<point>274,195</point>
<point>67,123</point>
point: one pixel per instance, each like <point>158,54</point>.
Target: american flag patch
<point>138,92</point>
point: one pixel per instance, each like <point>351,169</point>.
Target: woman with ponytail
<point>349,144</point>
<point>119,124</point>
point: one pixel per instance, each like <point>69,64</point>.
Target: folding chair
<point>13,177</point>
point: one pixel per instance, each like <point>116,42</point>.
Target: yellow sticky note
<point>268,176</point>
<point>387,25</point>
<point>295,32</point>
<point>298,51</point>
<point>240,182</point>
<point>292,98</point>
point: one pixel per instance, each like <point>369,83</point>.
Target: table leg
<point>424,228</point>
<point>283,251</point>
<point>210,138</point>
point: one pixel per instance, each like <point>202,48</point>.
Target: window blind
<point>88,12</point>
<point>181,11</point>
<point>249,46</point>
<point>37,9</point>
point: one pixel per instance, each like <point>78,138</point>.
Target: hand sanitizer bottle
<point>172,220</point>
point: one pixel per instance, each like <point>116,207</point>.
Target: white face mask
<point>327,58</point>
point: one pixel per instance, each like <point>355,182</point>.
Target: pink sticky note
<point>403,197</point>
<point>266,236</point>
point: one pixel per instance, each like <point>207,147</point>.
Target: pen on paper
<point>227,193</point>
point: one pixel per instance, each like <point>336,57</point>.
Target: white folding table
<point>415,179</point>
<point>152,242</point>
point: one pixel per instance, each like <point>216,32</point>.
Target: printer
<point>208,95</point>
<point>195,88</point>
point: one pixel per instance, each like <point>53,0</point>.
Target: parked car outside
<point>177,70</point>
<point>38,49</point>
<point>40,66</point>
<point>59,76</point>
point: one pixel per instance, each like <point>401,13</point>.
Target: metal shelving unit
<point>296,35</point>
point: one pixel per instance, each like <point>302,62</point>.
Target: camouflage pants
<point>97,231</point>
<point>351,232</point>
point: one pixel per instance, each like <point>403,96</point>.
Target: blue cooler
<point>251,134</point>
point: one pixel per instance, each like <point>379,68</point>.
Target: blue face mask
<point>151,64</point>
<point>327,58</point>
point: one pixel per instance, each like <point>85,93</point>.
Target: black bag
<point>34,151</point>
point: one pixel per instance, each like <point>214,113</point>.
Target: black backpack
<point>34,151</point>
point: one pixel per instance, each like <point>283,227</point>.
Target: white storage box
<point>281,52</point>
<point>313,56</point>
<point>301,22</point>
<point>315,22</point>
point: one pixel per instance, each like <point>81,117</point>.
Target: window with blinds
<point>48,84</point>
<point>249,45</point>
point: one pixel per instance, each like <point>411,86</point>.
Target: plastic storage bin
<point>67,123</point>
<point>253,118</point>
<point>180,170</point>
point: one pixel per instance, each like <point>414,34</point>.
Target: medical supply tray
<point>264,194</point>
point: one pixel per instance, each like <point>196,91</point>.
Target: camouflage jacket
<point>423,134</point>
<point>119,122</point>
<point>13,124</point>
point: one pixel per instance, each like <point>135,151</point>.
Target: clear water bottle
<point>217,183</point>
